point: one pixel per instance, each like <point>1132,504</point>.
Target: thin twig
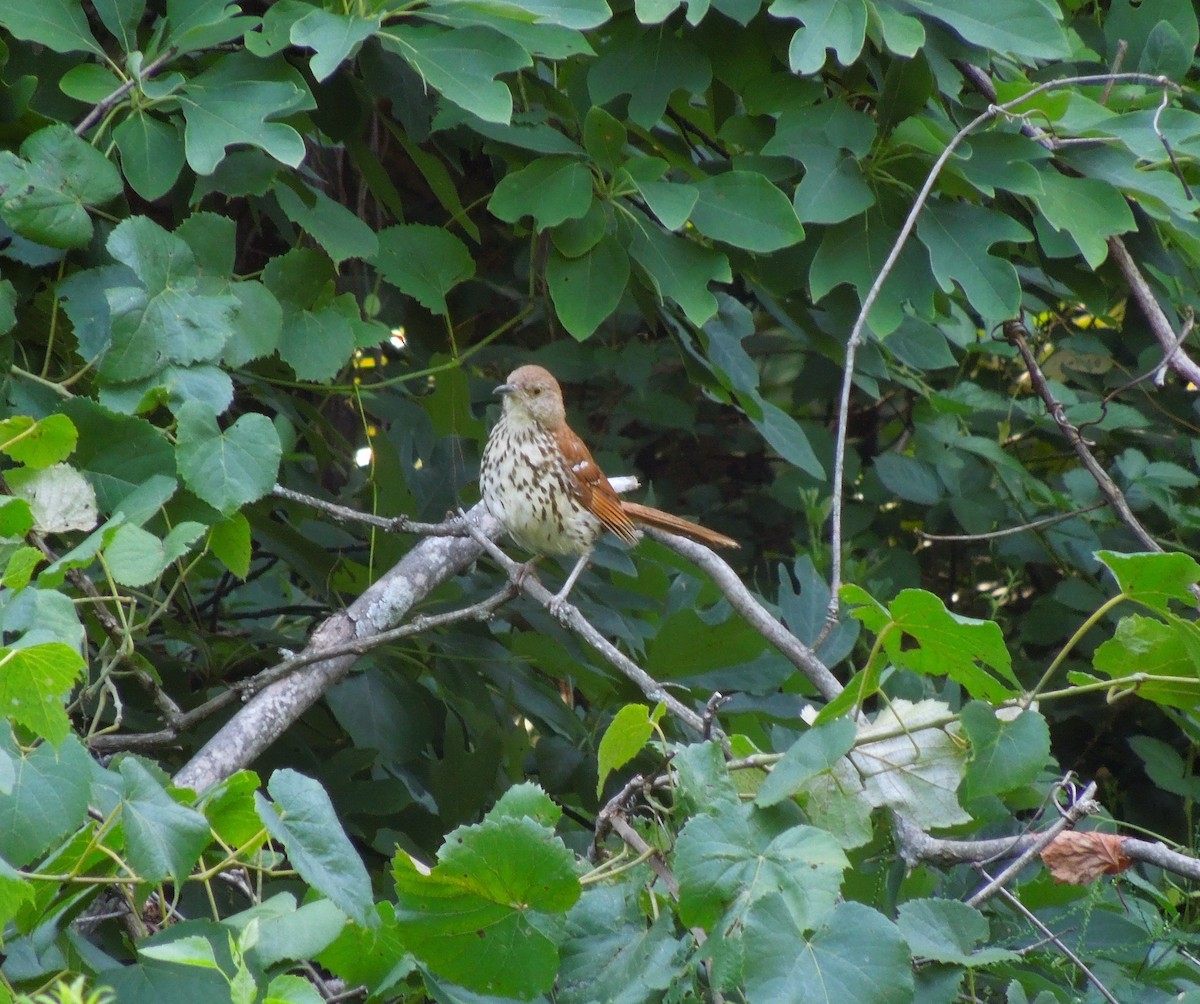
<point>1084,805</point>
<point>755,614</point>
<point>1050,936</point>
<point>392,524</point>
<point>1037,524</point>
<point>151,69</point>
<point>1014,332</point>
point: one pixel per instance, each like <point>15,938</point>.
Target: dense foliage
<point>770,250</point>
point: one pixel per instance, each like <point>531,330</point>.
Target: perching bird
<point>540,481</point>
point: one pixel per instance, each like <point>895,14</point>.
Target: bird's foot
<point>559,607</point>
<point>524,572</point>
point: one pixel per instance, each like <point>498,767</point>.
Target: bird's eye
<point>534,391</point>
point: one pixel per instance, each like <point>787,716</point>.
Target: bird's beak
<point>505,388</point>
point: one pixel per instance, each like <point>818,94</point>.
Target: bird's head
<point>532,395</point>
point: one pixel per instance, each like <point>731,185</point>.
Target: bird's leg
<point>559,599</point>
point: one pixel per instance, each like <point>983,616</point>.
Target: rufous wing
<point>591,487</point>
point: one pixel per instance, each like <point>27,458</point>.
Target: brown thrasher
<point>540,481</point>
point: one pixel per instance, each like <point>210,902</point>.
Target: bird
<point>540,481</point>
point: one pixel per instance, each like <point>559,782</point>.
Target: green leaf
<point>1029,28</point>
<point>151,154</point>
<point>916,767</point>
<point>34,684</point>
<point>1170,651</point>
<point>230,542</point>
<point>786,437</point>
<point>832,189</point>
<point>174,315</point>
<point>233,102</point>
<point>333,36</point>
<point>1088,210</point>
<point>949,644</point>
<point>957,236</point>
<point>587,289</point>
<point>227,469</point>
<point>190,951</point>
<point>730,859</point>
<point>1154,579</point>
<point>38,443</point>
<point>526,801</point>
<point>744,209</point>
<point>624,738</point>
<point>1165,767</point>
<point>44,192</point>
<point>610,954</point>
<point>815,751</point>
<point>947,931</point>
<point>121,18</point>
<point>573,238</point>
<point>49,798</point>
<point>679,270</point>
<point>857,955</point>
<point>908,478</point>
<point>424,262</point>
<point>163,838</point>
<point>604,138</point>
<point>485,915</point>
<point>117,453</point>
<point>342,234</point>
<point>60,25</point>
<point>302,818</point>
<point>8,304</point>
<point>21,564</point>
<point>650,68</point>
<point>839,25</point>
<point>462,65</point>
<point>203,24</point>
<point>1006,752</point>
<point>136,557</point>
<point>551,189</point>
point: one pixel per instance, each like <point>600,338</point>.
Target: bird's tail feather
<point>649,516</point>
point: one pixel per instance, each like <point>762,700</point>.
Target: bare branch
<point>1037,524</point>
<point>432,561</point>
<point>756,615</point>
<point>392,524</point>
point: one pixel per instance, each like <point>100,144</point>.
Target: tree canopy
<point>897,293</point>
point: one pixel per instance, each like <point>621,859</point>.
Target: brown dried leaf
<point>1080,858</point>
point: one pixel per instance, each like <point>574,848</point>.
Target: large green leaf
<point>163,838</point>
<point>484,915</point>
<point>60,25</point>
<point>588,289</point>
<point>462,65</point>
<point>424,262</point>
<point>744,209</point>
<point>234,102</point>
<point>650,68</point>
<point>45,191</point>
<point>226,468</point>
<point>34,683</point>
<point>858,955</point>
<point>303,820</point>
<point>48,798</point>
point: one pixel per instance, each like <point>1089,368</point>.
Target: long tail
<point>649,516</point>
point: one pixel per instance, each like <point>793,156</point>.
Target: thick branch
<point>239,742</point>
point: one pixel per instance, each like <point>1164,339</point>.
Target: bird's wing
<point>591,487</point>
